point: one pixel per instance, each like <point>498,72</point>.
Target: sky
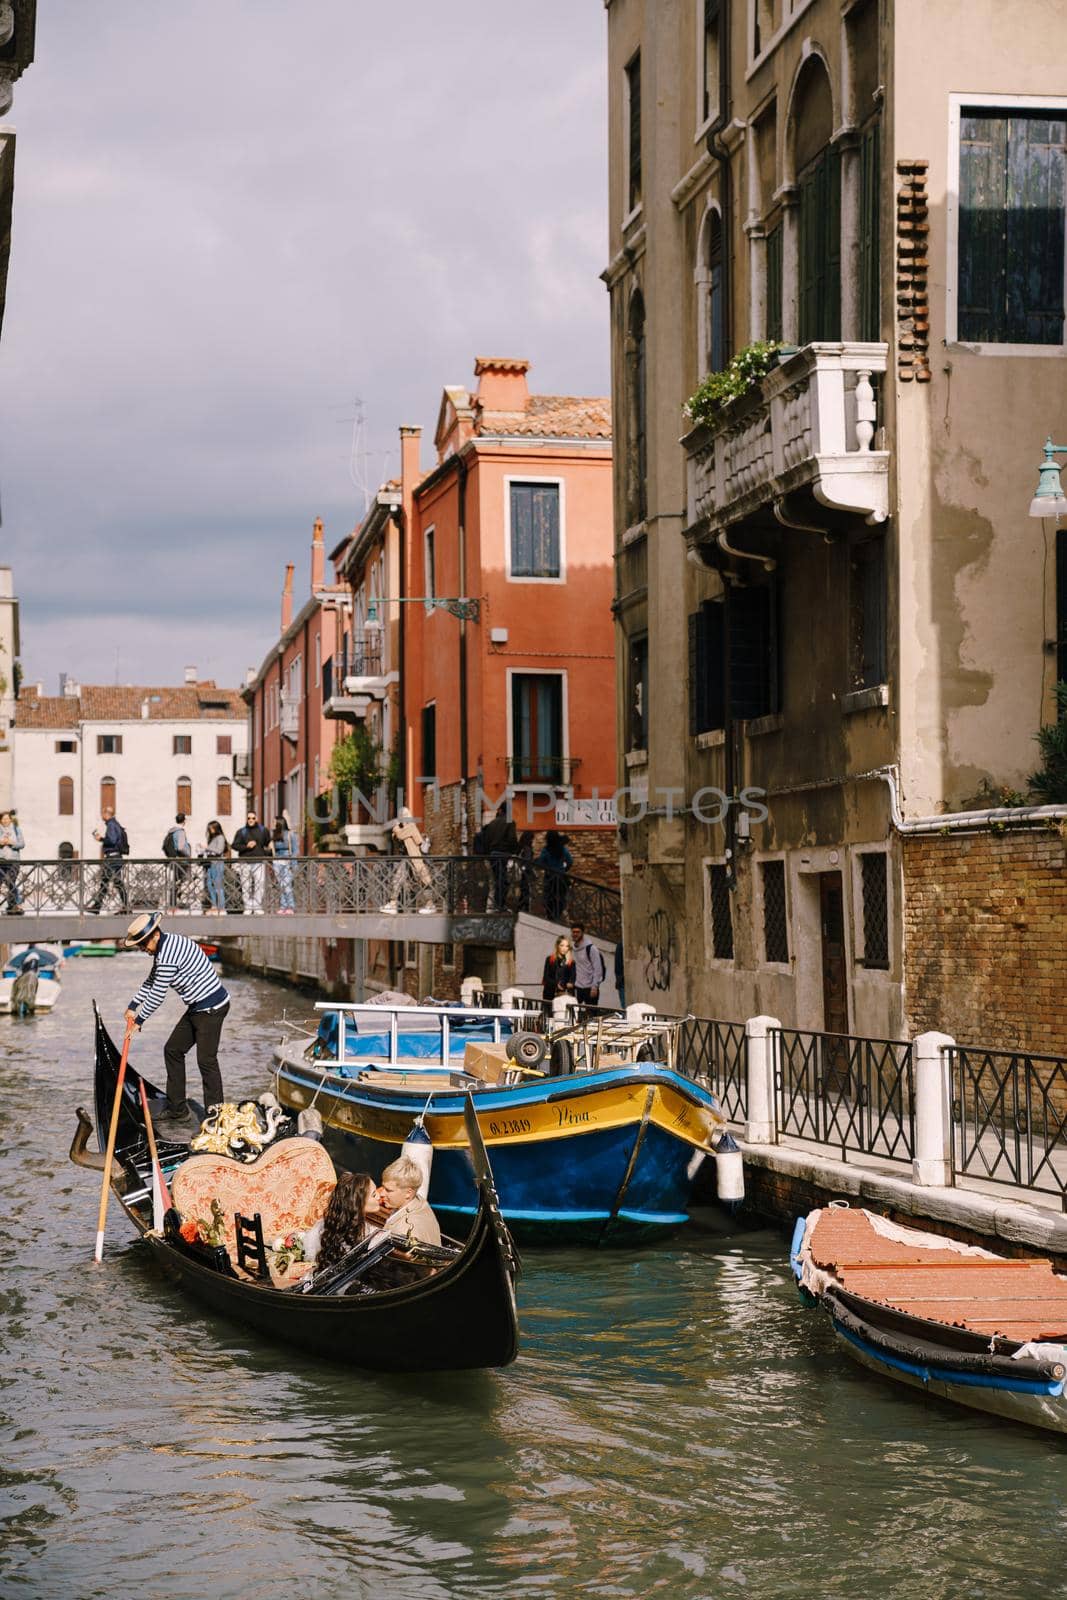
<point>233,220</point>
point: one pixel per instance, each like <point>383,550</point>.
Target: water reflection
<point>676,1423</point>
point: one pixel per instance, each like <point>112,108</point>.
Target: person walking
<point>252,844</point>
<point>115,845</point>
<point>499,842</point>
<point>526,855</point>
<point>557,862</point>
<point>215,851</point>
<point>589,968</point>
<point>11,845</point>
<point>286,848</point>
<point>176,848</point>
<point>179,963</point>
<point>558,975</point>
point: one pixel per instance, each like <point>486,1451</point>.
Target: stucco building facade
<point>829,591</point>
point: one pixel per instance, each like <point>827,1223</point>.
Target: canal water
<point>676,1424</point>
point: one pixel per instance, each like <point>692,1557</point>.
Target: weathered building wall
<point>985,960</point>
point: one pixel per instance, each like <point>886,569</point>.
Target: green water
<point>676,1424</point>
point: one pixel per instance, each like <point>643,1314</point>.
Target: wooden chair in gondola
<point>251,1251</point>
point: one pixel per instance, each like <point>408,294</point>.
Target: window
<point>1010,284</point>
<point>448,957</point>
<point>736,637</point>
<point>411,953</point>
<point>633,132</point>
<point>107,794</point>
<point>183,744</point>
<point>637,418</point>
<point>184,796</point>
<point>774,283</point>
<point>762,25</point>
<point>430,565</point>
<point>66,747</point>
<point>534,533</point>
<point>66,797</point>
<point>869,242</point>
<point>109,744</point>
<point>775,927</point>
<point>429,743</point>
<point>867,629</point>
<point>224,744</point>
<point>294,686</point>
<point>537,728</point>
<point>709,75</point>
<point>710,287</point>
<point>637,694</point>
<point>874,881</point>
<point>722,920</point>
<point>819,288</point>
<point>224,798</point>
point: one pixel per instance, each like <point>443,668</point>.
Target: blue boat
<point>590,1147</point>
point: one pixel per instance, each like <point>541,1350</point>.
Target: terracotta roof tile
<point>187,702</point>
<point>552,416</point>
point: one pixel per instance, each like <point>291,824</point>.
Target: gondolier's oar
<point>112,1134</point>
<point>157,1166</point>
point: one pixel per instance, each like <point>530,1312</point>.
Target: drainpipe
<point>464,753</point>
<point>401,732</point>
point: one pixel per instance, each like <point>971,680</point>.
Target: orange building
<point>508,671</point>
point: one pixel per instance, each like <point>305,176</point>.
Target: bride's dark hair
<point>344,1223</point>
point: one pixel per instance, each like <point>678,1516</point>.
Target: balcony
<point>809,425</point>
<point>542,772</point>
<point>289,717</point>
<point>352,679</point>
<point>242,769</point>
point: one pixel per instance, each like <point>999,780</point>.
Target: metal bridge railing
<point>855,1094</point>
<point>1009,1118</point>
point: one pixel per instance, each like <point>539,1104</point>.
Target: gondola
<point>460,1314</point>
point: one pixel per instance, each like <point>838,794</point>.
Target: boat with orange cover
<point>955,1320</point>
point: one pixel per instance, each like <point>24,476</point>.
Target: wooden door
<point>834,973</point>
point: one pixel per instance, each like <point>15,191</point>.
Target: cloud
<point>227,227</point>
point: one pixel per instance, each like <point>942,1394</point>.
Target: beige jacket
<point>417,1218</point>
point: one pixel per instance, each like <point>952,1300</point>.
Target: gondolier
<point>179,963</point>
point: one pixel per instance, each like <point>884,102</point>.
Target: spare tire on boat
<point>527,1049</point>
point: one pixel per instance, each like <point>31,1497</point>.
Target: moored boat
<point>457,1311</point>
<point>589,1145</point>
<point>955,1320</point>
<point>29,980</point>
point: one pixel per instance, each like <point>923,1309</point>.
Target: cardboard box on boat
<point>487,1061</point>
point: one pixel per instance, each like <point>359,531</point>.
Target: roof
<point>188,702</point>
<point>552,416</point>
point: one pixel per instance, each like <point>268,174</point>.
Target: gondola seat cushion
<point>289,1185</point>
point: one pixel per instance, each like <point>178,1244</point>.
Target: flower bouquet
<point>286,1250</point>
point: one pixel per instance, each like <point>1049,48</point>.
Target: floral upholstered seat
<point>289,1186</point>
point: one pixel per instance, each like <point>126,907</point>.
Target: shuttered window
<point>429,743</point>
<point>820,249</point>
<point>867,615</point>
<point>1011,227</point>
<point>535,546</point>
<point>66,797</point>
<point>716,304</point>
<point>706,703</point>
<point>737,635</point>
<point>183,799</point>
<point>638,693</point>
<point>224,797</point>
<point>722,922</point>
<point>774,283</point>
<point>870,307</point>
<point>1061,605</point>
<point>633,104</point>
<point>107,794</point>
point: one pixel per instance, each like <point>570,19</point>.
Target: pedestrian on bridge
<point>252,844</point>
<point>180,964</point>
<point>215,852</point>
<point>11,846</point>
<point>286,848</point>
<point>114,844</point>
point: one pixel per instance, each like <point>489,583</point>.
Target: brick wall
<point>985,958</point>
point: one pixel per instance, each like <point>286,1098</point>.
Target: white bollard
<point>639,1011</point>
<point>729,1173</point>
<point>563,1005</point>
<point>932,1163</point>
<point>469,989</point>
<point>760,1118</point>
<point>511,999</point>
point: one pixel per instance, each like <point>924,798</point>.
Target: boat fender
<point>309,1124</point>
<point>729,1173</point>
<point>418,1147</point>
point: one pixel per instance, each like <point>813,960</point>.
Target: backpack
<point>124,841</point>
<point>480,845</point>
<point>170,843</point>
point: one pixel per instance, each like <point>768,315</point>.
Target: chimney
<point>190,674</point>
<point>145,708</point>
<point>287,597</point>
<point>501,383</point>
<point>410,445</point>
<point>318,557</point>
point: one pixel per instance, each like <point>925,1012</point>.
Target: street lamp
<point>1049,499</point>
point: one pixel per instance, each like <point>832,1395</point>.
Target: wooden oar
<point>111,1137</point>
<point>157,1165</point>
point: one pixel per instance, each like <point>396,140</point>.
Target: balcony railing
<point>556,772</point>
<point>810,422</point>
<point>353,677</point>
<point>242,769</point>
<point>289,717</point>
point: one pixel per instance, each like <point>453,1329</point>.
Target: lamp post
<point>1049,499</point>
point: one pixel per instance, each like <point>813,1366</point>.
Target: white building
<point>149,752</point>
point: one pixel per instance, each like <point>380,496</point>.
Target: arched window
<point>184,801</point>
<point>107,794</point>
<point>637,407</point>
<point>66,797</point>
<point>224,798</point>
<point>711,303</point>
<point>817,166</point>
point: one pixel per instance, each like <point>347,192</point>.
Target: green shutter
<point>820,249</point>
<point>774,283</point>
<point>870,235</point>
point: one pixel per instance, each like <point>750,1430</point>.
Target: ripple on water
<point>676,1423</point>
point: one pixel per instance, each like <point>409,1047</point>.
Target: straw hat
<point>141,930</point>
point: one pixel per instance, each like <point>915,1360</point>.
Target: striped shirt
<point>181,965</point>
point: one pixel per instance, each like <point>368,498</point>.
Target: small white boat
<point>30,981</point>
<point>986,1331</point>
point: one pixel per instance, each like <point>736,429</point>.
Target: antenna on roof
<point>116,665</point>
<point>357,459</point>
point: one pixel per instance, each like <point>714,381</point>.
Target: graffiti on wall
<point>659,968</point>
